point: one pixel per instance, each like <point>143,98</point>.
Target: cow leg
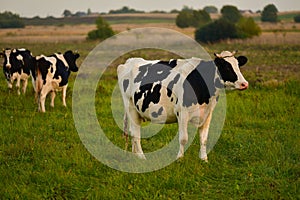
<point>33,83</point>
<point>135,130</point>
<point>45,90</point>
<point>9,84</point>
<point>18,84</point>
<point>183,133</point>
<point>64,94</point>
<point>53,94</point>
<point>203,133</point>
<point>25,83</point>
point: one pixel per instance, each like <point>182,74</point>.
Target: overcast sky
<point>43,8</point>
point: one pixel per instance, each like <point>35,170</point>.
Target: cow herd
<point>176,91</point>
<point>48,73</point>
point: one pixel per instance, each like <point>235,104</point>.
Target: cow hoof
<point>141,156</point>
<point>179,156</point>
<point>205,159</point>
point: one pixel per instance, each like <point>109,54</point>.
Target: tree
<point>67,13</point>
<point>89,11</point>
<point>210,9</point>
<point>10,20</point>
<point>183,19</point>
<point>297,18</point>
<point>269,13</point>
<point>231,13</point>
<point>199,18</point>
<point>102,32</point>
<point>194,18</point>
<point>125,9</point>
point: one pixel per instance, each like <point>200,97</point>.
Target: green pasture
<point>256,156</point>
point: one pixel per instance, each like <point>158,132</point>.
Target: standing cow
<point>18,64</point>
<point>176,91</point>
<point>52,74</point>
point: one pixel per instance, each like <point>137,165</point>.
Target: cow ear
<point>242,60</point>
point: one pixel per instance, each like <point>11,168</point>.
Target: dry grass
<point>279,33</point>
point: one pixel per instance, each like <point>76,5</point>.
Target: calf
<point>18,64</point>
<point>176,91</point>
<point>52,74</point>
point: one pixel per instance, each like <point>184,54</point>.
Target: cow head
<point>71,60</point>
<point>229,68</point>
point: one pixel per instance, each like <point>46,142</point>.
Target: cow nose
<point>244,86</point>
<point>8,66</point>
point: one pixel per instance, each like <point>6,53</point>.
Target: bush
<point>192,18</point>
<point>230,25</point>
<point>102,32</point>
<point>246,27</point>
<point>218,30</point>
<point>297,18</point>
<point>10,20</point>
<point>269,14</point>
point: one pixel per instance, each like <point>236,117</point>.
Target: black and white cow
<point>18,64</point>
<point>52,74</point>
<point>182,91</point>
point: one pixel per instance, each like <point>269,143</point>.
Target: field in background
<point>256,157</point>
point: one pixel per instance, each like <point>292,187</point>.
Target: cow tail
<point>125,130</point>
<point>38,84</point>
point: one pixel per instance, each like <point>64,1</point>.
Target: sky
<point>44,8</point>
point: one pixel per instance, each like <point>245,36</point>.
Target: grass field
<point>256,157</point>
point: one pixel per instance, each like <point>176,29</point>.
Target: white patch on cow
<point>20,57</point>
<point>22,49</point>
<point>62,58</point>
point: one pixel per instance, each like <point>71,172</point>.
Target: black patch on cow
<point>149,75</point>
<point>149,96</point>
<point>226,71</point>
<point>199,85</point>
<point>125,84</point>
<point>171,84</point>
<point>158,113</point>
<point>43,66</point>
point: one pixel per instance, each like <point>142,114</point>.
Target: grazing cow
<point>182,91</point>
<point>18,64</point>
<point>52,74</point>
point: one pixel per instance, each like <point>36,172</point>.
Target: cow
<point>18,64</point>
<point>176,91</point>
<point>52,75</point>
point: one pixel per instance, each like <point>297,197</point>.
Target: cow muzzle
<point>8,66</point>
<point>243,86</point>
